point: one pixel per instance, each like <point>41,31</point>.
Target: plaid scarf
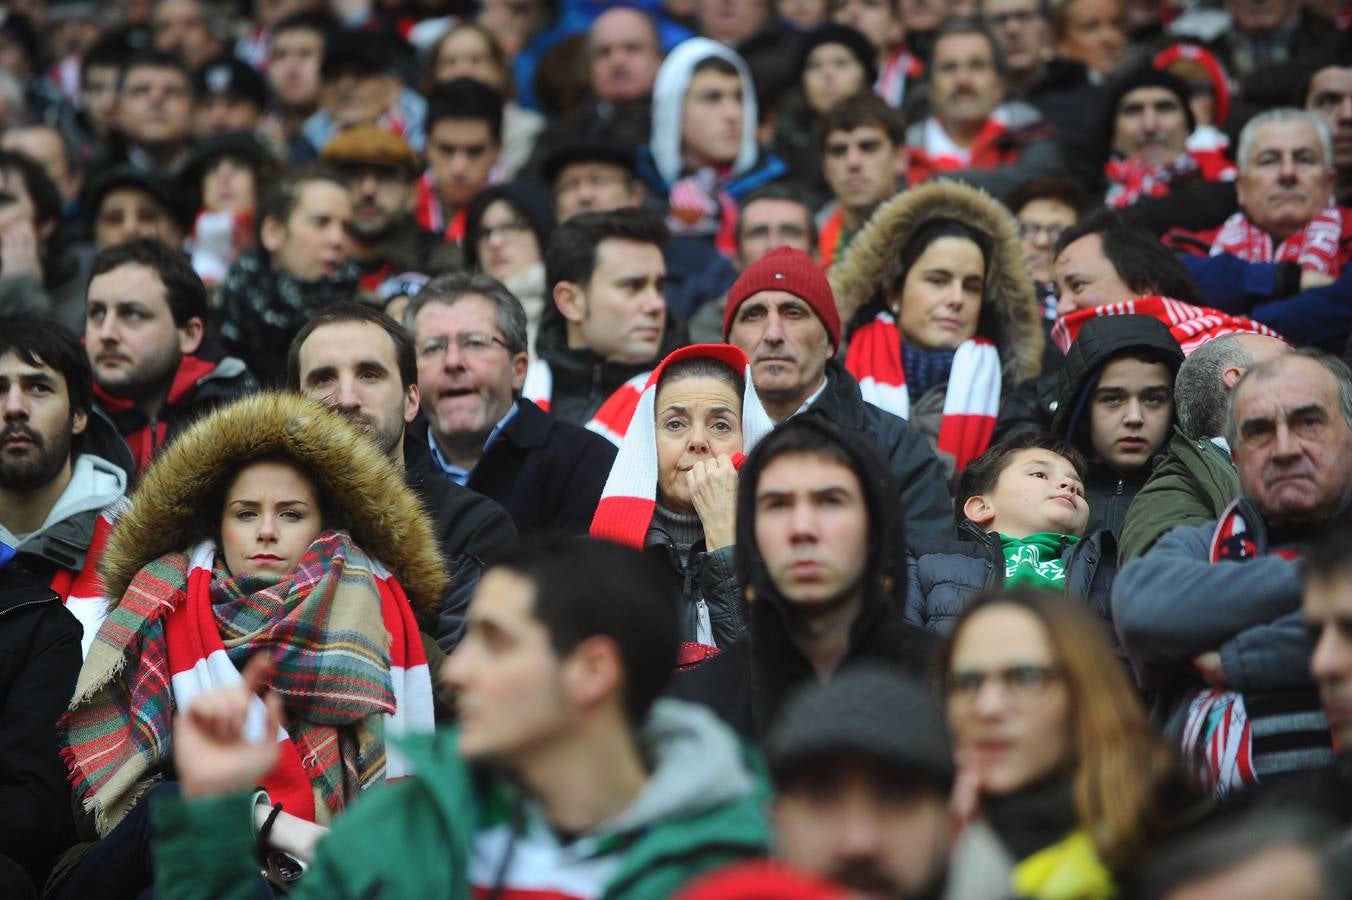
<point>349,667</point>
<point>611,421</point>
<point>1192,326</point>
<point>1316,246</point>
<point>971,399</point>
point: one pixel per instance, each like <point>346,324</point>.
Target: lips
<point>265,558</point>
<point>1132,443</point>
<point>1068,499</point>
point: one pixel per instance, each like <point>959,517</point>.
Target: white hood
<point>673,79</point>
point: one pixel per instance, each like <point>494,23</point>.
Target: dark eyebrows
<point>320,372</point>
<point>1306,410</point>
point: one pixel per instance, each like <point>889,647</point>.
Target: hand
<point>291,834</point>
<point>1208,665</point>
<point>211,753</point>
<point>965,802</point>
<point>1309,278</point>
<point>713,491</point>
<point>19,250</point>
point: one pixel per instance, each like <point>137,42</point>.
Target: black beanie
<point>1149,76</point>
<point>847,37</point>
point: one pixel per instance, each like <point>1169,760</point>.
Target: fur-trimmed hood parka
<point>1009,315</point>
<point>178,501</point>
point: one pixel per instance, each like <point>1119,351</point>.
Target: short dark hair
<point>982,474</point>
<point>780,190</point>
<point>571,255</point>
<point>280,198</point>
<point>41,190</point>
<point>153,59</point>
<point>349,311</point>
<point>936,229</point>
<point>973,26</point>
<point>1328,559</point>
<point>183,289</point>
<point>43,341</point>
<point>1057,190</point>
<point>1142,262</point>
<point>715,64</point>
<point>703,367</point>
<point>587,588</point>
<point>465,99</point>
<point>108,52</point>
<point>320,23</point>
<point>859,111</point>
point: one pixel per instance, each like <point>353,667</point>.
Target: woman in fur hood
<point>943,318</point>
<point>271,528</point>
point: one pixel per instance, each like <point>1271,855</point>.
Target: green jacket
<point>703,807</point>
<point>1192,484</point>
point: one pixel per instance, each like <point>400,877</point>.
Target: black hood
<point>1099,341</point>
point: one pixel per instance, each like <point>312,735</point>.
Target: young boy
<point>1023,522</point>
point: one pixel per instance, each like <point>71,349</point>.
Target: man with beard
<point>381,171</point>
<point>154,372</point>
<point>360,362</point>
<point>53,486</point>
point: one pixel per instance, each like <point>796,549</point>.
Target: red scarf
<point>1131,179</point>
<point>1317,246</point>
<point>831,237</point>
<point>144,435</point>
<point>427,210</point>
<point>611,420</point>
<point>990,150</point>
<point>971,399</point>
<point>1192,326</point>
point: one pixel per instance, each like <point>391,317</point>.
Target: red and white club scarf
<point>1314,247</point>
<point>1192,326</point>
<point>611,421</point>
<point>972,398</point>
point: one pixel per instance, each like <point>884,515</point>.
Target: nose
<point>654,304</point>
<point>1287,172</point>
<point>1148,119</point>
<point>345,396</point>
<point>1064,305</point>
<point>859,831</point>
<point>803,523</point>
<point>1042,238</point>
<point>1285,444</point>
<point>990,698</point>
<point>1133,412</point>
<point>106,330</point>
<point>955,294</point>
<point>698,442</point>
<point>267,529</point>
<point>15,407</point>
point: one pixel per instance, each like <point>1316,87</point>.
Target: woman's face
<point>507,245</point>
<point>271,517</point>
<point>228,186</point>
<point>940,300</point>
<point>1094,34</point>
<point>698,418</point>
<point>465,54</point>
<point>1008,705</point>
<point>831,74</point>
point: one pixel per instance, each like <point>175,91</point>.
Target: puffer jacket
<point>1109,491</point>
<point>1010,315</point>
<point>942,576</point>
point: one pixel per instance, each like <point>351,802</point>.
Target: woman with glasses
<point>507,228</point>
<point>1056,757</point>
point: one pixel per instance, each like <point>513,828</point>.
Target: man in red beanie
<point>782,315</point>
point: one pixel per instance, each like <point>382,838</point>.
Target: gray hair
<point>1338,369</point>
<point>453,287</point>
<point>1279,115</point>
<point>1199,395</point>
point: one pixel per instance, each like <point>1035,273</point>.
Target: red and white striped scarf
<point>83,594</point>
<point>1315,247</point>
<point>972,398</point>
<point>1192,326</point>
<point>611,421</point>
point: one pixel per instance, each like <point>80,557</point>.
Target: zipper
<point>28,603</point>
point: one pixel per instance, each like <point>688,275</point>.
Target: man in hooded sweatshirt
<point>821,550</point>
<point>1115,404</point>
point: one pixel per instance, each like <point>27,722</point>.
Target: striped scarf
<point>971,400</point>
<point>611,421</point>
<point>1192,326</point>
<point>346,648</point>
<point>1315,247</point>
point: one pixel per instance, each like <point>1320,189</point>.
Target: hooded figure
<point>747,683</point>
<point>349,663</point>
<point>1110,487</point>
<point>1005,349</point>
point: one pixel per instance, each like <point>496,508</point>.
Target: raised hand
<point>211,752</point>
<point>713,491</point>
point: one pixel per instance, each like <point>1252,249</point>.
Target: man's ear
<point>1230,377</point>
<point>79,420</point>
<point>593,672</point>
<point>520,363</point>
<point>979,510</point>
<point>412,398</point>
<point>272,234</point>
<point>190,336</point>
<point>571,301</point>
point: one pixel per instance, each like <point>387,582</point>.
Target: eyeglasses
<point>505,230</point>
<point>1020,686</point>
<point>471,343</point>
<point>1030,230</point>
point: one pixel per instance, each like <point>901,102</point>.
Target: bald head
<point>625,55</point>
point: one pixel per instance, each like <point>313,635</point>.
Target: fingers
<point>257,672</point>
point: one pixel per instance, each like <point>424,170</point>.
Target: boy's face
<point>1130,413</point>
<point>1037,491</point>
<point>1328,613</point>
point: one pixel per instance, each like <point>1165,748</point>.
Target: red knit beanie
<point>760,880</point>
<point>786,269</point>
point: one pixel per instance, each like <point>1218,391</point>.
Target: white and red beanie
<point>626,507</point>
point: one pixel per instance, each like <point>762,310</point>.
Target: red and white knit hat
<point>630,495</point>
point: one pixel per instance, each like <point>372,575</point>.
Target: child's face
<point>1131,411</point>
<point>1037,491</point>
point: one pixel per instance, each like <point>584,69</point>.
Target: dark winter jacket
<point>922,485</point>
<point>408,247</point>
<point>944,575</point>
<point>470,530</point>
<point>700,574</point>
<point>1190,485</point>
<point>747,683</point>
<point>547,474</point>
<point>1071,104</point>
<point>1100,341</point>
<point>39,662</point>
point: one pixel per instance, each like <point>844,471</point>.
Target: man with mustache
<point>782,314</point>
<point>381,171</point>
<point>975,135</point>
<point>359,361</point>
<point>1211,616</point>
<point>145,334</point>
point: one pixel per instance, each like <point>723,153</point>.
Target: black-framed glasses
<point>1020,686</point>
<point>470,343</point>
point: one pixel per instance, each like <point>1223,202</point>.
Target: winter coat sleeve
<point>717,577</point>
<point>1173,603</point>
<point>1270,656</point>
<point>1169,499</point>
<point>24,294</point>
<point>493,533</point>
<point>926,506</point>
<point>1319,316</point>
<point>914,613</point>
